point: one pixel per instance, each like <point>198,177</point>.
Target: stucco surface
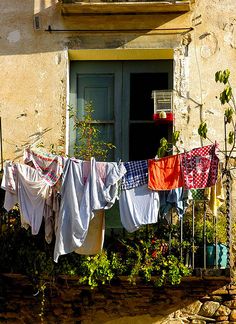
<point>34,65</point>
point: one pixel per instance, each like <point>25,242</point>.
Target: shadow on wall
<point>34,139</point>
<point>24,25</point>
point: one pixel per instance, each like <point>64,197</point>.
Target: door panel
<point>99,90</point>
<point>100,83</point>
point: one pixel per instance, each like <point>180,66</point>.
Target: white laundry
<point>138,206</point>
<point>104,192</point>
<point>49,165</point>
<point>51,214</point>
<point>9,184</point>
<point>30,192</point>
<point>79,200</point>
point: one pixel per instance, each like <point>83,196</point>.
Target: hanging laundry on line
<point>69,194</point>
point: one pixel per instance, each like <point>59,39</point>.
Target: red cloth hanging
<point>165,173</point>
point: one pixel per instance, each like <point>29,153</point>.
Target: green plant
<point>215,227</point>
<point>96,270</point>
<point>170,270</point>
<point>166,146</point>
<point>89,142</point>
<point>227,100</point>
<point>150,260</point>
<point>42,288</point>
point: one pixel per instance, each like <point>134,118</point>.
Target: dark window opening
<point>144,134</point>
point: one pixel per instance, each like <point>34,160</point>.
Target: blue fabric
<point>175,198</point>
<point>137,174</point>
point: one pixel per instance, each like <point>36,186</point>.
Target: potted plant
<point>217,242</point>
<point>211,235</point>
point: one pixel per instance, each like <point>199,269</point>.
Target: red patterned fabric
<point>200,167</point>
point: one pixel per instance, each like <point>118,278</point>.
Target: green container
<point>217,255</point>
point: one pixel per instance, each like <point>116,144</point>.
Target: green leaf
<point>175,137</point>
<point>164,142</point>
<point>229,114</point>
<point>217,76</point>
<point>222,76</point>
<point>231,137</point>
<point>226,74</point>
<point>202,130</point>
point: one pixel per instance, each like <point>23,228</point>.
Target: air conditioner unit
<point>163,105</point>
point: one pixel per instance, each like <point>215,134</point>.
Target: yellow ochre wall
<point>35,63</point>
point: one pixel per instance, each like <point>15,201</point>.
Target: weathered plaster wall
<point>211,48</point>
<point>33,81</point>
<point>34,64</point>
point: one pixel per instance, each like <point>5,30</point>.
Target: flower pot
<point>217,255</point>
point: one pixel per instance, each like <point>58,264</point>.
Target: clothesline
<point>69,193</point>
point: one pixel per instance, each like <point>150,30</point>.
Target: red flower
<point>154,254</point>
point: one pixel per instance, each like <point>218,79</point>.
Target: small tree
<point>228,101</point>
<point>89,143</point>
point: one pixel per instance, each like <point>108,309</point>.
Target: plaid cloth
<point>198,194</point>
<point>137,174</point>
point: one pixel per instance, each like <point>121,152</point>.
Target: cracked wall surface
<point>34,66</point>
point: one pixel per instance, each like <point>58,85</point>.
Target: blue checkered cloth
<point>136,175</point>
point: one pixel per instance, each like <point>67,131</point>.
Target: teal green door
<point>120,92</point>
<point>100,85</point>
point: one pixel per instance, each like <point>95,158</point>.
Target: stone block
<point>9,315</point>
<point>173,321</point>
<point>220,291</point>
<point>209,308</point>
<point>233,315</point>
<point>193,308</point>
<point>217,298</point>
<point>230,303</point>
<point>221,318</point>
<point>223,310</point>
